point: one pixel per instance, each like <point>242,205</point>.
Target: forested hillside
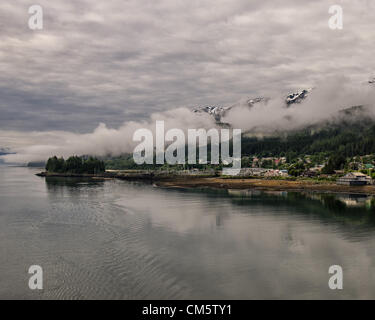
<point>348,139</point>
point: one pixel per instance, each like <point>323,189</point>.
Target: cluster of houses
<point>313,172</point>
<point>350,179</point>
<point>262,172</point>
<point>258,161</point>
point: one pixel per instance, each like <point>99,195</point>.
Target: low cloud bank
<point>322,104</point>
<point>103,140</point>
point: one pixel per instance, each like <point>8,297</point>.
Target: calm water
<point>121,240</point>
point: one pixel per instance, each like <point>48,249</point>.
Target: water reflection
<point>357,209</point>
<point>121,240</point>
<point>57,183</point>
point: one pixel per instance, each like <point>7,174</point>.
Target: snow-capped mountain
<point>216,111</point>
<point>297,97</point>
<point>294,98</point>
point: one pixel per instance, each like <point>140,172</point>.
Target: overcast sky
<point>113,61</point>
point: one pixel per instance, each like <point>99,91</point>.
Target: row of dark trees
<point>335,162</point>
<point>75,165</point>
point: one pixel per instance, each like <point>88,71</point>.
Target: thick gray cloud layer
<point>114,61</point>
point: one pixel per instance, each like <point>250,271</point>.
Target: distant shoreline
<point>178,181</point>
<point>268,185</point>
